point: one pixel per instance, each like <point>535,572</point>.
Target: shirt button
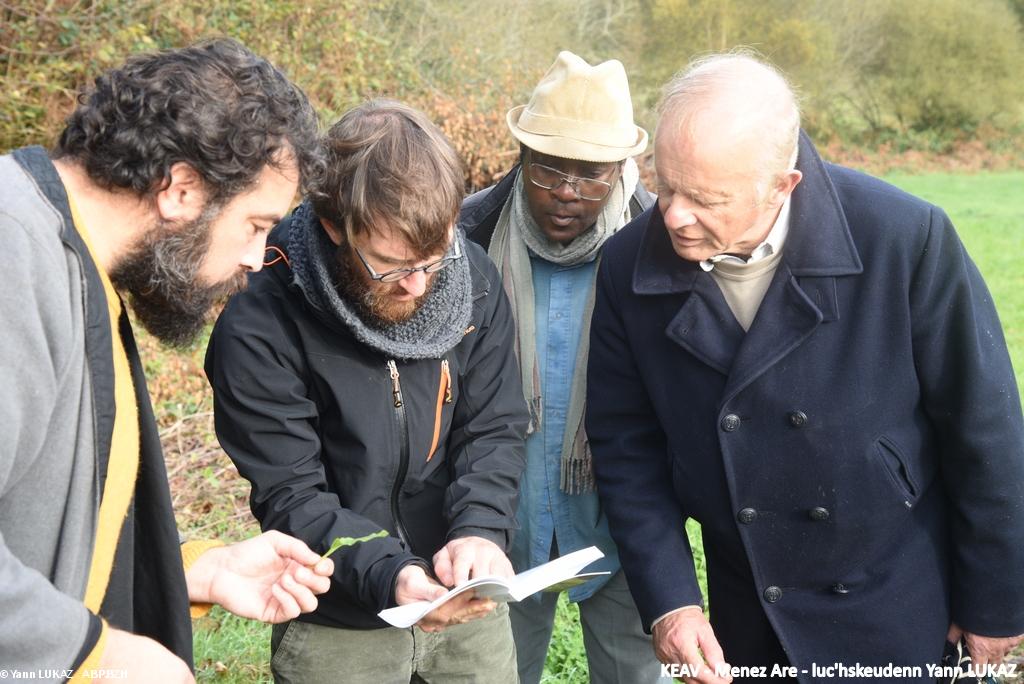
<point>731,423</point>
<point>819,514</point>
<point>747,516</point>
<point>797,418</point>
<point>840,588</point>
<point>772,594</point>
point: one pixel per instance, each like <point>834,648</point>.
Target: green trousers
<point>477,651</point>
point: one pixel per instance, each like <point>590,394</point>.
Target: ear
<point>185,195</point>
<point>785,184</point>
<point>333,231</point>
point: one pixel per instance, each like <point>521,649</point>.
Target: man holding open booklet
<point>365,382</point>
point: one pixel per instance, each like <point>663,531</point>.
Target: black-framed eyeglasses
<point>394,275</point>
<point>585,188</point>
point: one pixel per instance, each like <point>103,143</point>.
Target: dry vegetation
<point>919,82</point>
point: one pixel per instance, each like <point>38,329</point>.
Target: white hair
<point>752,97</point>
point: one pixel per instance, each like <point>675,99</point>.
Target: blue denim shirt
<point>576,520</point>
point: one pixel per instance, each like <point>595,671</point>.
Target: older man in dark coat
<point>806,361</point>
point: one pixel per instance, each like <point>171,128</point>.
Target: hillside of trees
<point>926,76</point>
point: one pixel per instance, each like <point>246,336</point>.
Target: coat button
<point>747,516</point>
<point>797,418</point>
<point>840,588</point>
<point>772,594</point>
<point>731,423</point>
<point>819,514</point>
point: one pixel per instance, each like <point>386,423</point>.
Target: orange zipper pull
<point>447,381</point>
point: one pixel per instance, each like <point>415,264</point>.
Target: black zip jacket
<point>338,440</point>
<point>480,211</point>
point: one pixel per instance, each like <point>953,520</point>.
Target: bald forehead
<point>733,93</point>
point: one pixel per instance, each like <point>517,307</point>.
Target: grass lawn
<point>210,499</point>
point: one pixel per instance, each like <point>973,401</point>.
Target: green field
<point>988,211</point>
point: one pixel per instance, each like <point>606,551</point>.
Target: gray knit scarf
<point>516,235</point>
<point>436,327</point>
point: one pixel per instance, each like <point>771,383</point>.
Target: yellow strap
<point>123,464</point>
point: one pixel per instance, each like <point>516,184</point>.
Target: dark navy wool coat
<point>856,459</point>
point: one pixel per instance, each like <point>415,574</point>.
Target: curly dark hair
<point>215,106</point>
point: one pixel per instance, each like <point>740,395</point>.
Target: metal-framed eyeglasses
<point>394,275</point>
<point>585,188</point>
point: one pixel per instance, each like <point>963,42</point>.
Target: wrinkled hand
<point>683,637</point>
<point>984,650</point>
<point>272,577</point>
<point>414,584</point>
<point>470,557</point>
<point>140,658</point>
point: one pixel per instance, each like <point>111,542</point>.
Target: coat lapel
<point>786,317</point>
<point>705,327</point>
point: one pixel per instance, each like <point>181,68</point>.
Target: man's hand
<point>141,659</point>
<point>413,585</point>
<point>470,557</point>
<point>272,577</point>
<point>683,637</point>
<point>984,650</point>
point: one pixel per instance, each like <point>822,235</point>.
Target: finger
<point>324,567</point>
<point>443,567</point>
<point>432,623</point>
<point>317,584</point>
<point>287,609</point>
<point>301,593</point>
<point>470,610</point>
<point>713,653</point>
<point>460,604</point>
<point>988,650</point>
<point>502,566</point>
<point>954,633</point>
<point>709,675</point>
<point>287,546</point>
<point>478,608</point>
<point>463,564</point>
<point>445,614</point>
<point>692,658</point>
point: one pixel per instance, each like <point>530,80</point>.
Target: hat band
<point>594,132</point>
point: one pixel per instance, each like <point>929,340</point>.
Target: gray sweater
<point>49,493</point>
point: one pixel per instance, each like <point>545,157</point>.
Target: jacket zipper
<point>403,459</point>
<point>444,396</point>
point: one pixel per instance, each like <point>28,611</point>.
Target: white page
<point>531,581</point>
<point>498,588</point>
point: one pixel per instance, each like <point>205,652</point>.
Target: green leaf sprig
<point>352,541</point>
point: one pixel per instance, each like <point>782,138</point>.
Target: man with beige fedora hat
<point>544,226</point>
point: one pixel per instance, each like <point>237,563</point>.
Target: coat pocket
<point>894,462</point>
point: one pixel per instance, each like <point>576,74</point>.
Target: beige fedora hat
<point>578,111</point>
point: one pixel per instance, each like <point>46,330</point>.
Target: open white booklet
<point>561,573</point>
